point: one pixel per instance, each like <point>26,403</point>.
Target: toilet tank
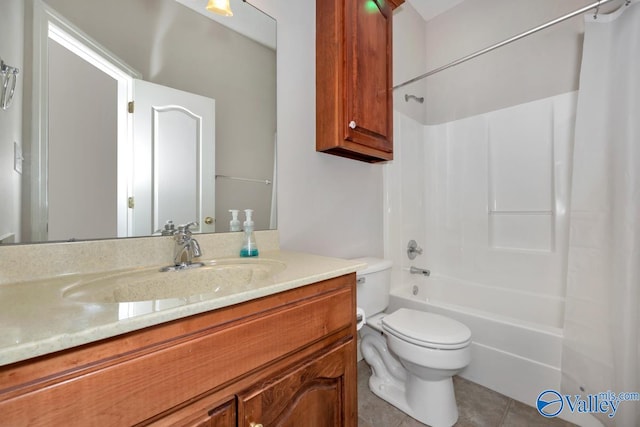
<point>374,283</point>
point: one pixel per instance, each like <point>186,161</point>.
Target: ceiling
<point>431,8</point>
<point>246,20</point>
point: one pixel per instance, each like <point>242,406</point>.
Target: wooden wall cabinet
<point>288,359</point>
<point>354,102</point>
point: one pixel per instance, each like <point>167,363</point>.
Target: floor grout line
<point>506,412</point>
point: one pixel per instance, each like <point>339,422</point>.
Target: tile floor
<point>477,407</point>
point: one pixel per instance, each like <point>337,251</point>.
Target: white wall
<point>12,27</point>
<point>409,60</point>
<point>536,67</point>
<point>326,204</point>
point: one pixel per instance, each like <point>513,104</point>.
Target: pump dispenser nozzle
<point>249,247</point>
<point>234,224</point>
<point>248,221</point>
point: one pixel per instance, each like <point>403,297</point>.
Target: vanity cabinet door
<point>354,111</point>
<point>314,393</point>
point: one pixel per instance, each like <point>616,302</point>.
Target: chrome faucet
<point>413,249</point>
<point>185,249</point>
<point>416,270</point>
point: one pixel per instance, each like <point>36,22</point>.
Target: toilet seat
<point>427,329</point>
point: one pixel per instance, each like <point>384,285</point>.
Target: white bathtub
<point>516,347</point>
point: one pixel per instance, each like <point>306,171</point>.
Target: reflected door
<point>173,159</point>
<point>82,149</point>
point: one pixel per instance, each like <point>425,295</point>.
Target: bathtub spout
<point>423,271</point>
<point>385,365</point>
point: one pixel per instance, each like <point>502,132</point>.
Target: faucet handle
<point>169,229</point>
<point>184,228</point>
<point>195,248</point>
<point>413,249</point>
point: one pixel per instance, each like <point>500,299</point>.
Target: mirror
<point>69,169</point>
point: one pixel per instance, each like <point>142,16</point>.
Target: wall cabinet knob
<point>352,124</point>
<point>255,425</point>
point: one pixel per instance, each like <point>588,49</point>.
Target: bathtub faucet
<point>416,270</point>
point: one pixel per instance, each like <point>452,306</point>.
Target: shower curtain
<point>601,330</point>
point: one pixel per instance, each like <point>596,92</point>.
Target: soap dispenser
<point>249,247</point>
<point>234,224</point>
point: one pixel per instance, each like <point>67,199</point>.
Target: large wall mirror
<point>131,113</point>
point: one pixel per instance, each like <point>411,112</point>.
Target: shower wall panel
<point>495,188</point>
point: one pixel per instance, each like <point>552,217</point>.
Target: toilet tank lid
<point>373,265</point>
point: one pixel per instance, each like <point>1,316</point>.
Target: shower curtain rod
<point>584,9</point>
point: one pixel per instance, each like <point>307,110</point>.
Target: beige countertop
<point>36,318</point>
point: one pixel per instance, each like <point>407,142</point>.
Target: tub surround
<point>36,319</point>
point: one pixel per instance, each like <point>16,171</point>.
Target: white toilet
<point>413,354</point>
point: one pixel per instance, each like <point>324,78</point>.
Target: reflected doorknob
<point>209,220</point>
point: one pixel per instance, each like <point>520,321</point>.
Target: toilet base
<point>431,402</point>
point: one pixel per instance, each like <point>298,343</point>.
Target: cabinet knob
<point>255,425</point>
<point>352,124</point>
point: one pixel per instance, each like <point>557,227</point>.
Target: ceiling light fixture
<point>221,7</point>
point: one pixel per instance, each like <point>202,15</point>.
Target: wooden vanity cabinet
<point>287,359</point>
<point>354,99</point>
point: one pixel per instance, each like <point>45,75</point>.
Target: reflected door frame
<point>49,24</point>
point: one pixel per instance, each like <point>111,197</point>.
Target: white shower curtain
<point>600,351</point>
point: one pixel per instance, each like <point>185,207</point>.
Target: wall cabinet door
<point>354,110</point>
<point>314,393</point>
<point>368,111</point>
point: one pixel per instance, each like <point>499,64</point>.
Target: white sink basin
<point>214,278</point>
